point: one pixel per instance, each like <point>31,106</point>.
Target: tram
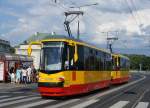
<point>121,65</point>
<point>69,66</point>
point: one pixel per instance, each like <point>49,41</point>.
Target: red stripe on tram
<point>74,75</point>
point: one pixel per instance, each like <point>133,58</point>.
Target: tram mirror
<point>76,54</point>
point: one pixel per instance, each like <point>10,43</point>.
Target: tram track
<point>120,87</point>
<point>140,98</point>
<point>143,89</point>
<point>115,95</point>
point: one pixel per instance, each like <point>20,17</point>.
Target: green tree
<point>135,60</point>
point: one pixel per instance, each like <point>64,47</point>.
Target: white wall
<point>36,58</point>
<point>1,71</point>
<point>22,50</point>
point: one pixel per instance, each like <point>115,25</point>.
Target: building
<point>35,52</point>
<point>5,46</point>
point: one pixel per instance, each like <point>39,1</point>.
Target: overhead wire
<point>136,11</point>
<point>59,5</point>
<point>131,12</point>
<point>92,19</point>
<point>138,16</point>
<point>126,2</point>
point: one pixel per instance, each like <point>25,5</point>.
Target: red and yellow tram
<point>69,67</point>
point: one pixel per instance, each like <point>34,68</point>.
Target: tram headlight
<point>61,79</point>
<point>40,79</point>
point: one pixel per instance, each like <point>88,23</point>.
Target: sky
<point>128,20</point>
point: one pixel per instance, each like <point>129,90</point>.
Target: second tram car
<point>121,65</point>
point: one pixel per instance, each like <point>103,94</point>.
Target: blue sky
<point>19,19</point>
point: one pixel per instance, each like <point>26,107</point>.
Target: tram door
<point>1,71</point>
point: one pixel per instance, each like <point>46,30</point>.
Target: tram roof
<point>64,38</point>
<point>122,56</point>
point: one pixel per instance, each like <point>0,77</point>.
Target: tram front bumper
<point>52,89</point>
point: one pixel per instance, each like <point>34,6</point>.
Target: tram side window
<point>92,60</point>
<point>104,62</point>
<point>97,61</point>
<point>88,59</point>
<point>68,55</point>
<point>108,62</point>
<point>114,62</point>
<point>71,57</point>
<point>119,62</point>
<point>101,61</point>
<point>80,62</point>
<point>64,58</point>
<point>124,64</point>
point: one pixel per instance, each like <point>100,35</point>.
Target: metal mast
<point>81,13</point>
<point>74,14</point>
<point>110,41</point>
<point>67,22</point>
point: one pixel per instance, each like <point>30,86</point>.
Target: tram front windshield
<point>51,57</point>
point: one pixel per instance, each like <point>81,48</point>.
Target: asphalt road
<point>135,94</point>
